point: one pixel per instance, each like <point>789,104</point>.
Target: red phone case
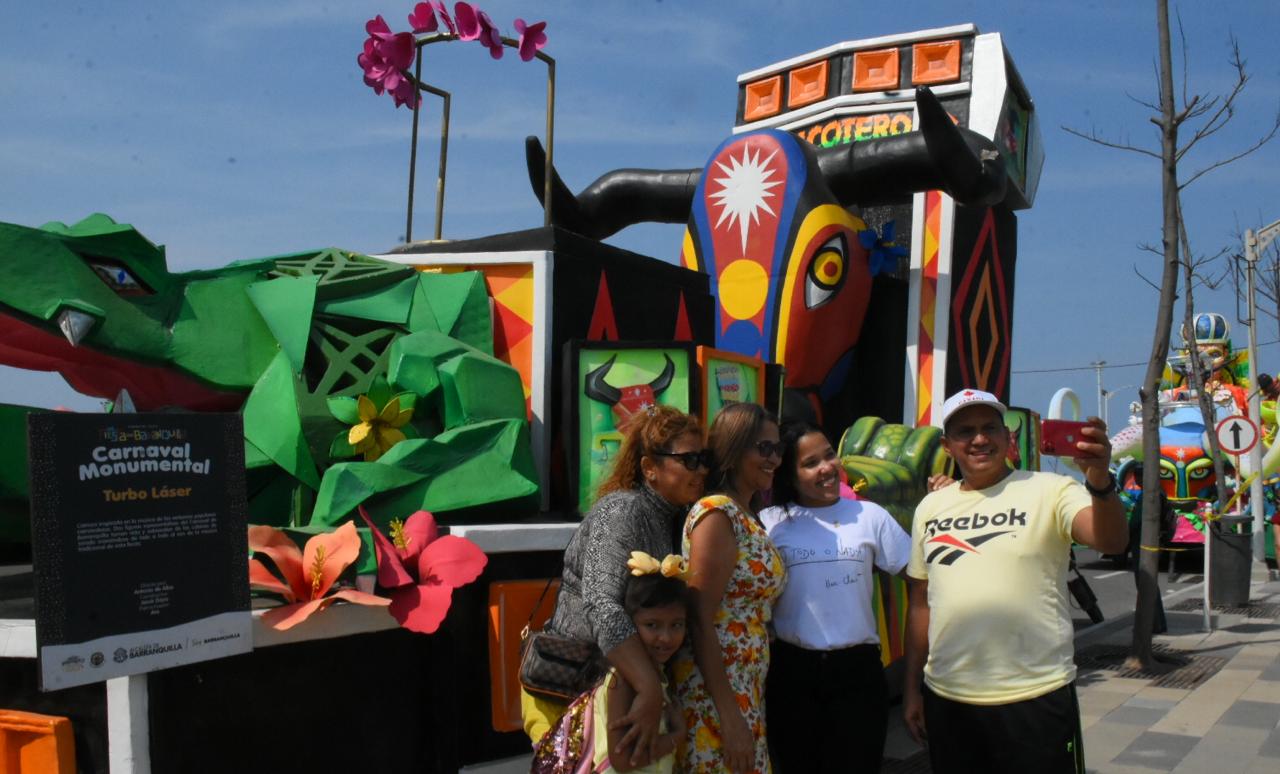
<point>1058,437</point>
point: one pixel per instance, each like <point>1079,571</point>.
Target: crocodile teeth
<point>124,403</point>
<point>74,325</point>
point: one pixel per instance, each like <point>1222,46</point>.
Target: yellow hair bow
<point>673,566</point>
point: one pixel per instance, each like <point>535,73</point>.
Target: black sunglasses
<point>769,448</point>
<point>691,460</point>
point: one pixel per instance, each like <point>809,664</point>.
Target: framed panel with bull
<point>727,377</point>
<point>613,382</point>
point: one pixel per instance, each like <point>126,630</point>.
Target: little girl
<point>582,742</point>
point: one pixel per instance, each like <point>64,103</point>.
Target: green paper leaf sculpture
<point>330,355</point>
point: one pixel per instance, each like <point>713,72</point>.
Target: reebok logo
<point>947,548</point>
<point>977,521</point>
<point>954,547</point>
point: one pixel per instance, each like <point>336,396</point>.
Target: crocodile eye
<point>118,278</point>
<point>826,272</point>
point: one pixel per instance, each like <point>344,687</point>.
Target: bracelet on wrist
<point>1101,491</point>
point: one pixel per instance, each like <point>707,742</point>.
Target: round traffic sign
<point>1236,434</point>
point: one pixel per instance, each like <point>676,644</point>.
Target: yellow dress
<point>600,752</point>
<point>757,580</point>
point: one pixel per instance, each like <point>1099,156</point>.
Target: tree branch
<point>1142,277</point>
<point>1093,137</point>
<point>1275,127</point>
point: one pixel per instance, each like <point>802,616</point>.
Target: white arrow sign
<point>1236,434</point>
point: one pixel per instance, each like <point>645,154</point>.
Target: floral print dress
<point>756,581</point>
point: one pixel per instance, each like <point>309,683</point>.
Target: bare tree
<point>1196,371</point>
<point>1201,116</point>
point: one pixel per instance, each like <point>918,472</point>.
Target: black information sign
<point>138,532</point>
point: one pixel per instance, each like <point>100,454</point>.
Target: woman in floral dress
<point>735,575</point>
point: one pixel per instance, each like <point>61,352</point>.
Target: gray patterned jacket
<point>589,606</point>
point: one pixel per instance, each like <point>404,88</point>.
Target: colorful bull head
<point>627,402</point>
<point>767,220</point>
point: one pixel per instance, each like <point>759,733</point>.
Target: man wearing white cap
<point>988,598</point>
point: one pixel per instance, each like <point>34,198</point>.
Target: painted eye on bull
<point>826,273</point>
<point>118,279</point>
<point>1196,474</point>
<point>1166,474</point>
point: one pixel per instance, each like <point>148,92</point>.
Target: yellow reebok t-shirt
<point>996,561</point>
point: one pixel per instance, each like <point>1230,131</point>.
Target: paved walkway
<point>1226,724</point>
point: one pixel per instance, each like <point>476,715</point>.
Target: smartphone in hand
<point>1058,437</point>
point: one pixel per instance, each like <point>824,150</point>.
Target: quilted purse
<point>556,667</point>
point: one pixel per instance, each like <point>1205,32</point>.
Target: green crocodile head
<point>96,302</point>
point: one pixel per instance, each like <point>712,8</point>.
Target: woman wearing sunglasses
<point>657,474</point>
<point>735,574</point>
<point>828,702</point>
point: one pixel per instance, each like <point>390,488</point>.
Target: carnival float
<point>422,427</point>
<point>1188,480</point>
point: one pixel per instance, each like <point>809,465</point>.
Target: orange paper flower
<point>308,575</point>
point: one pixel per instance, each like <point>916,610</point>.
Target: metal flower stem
<point>444,134</point>
<point>442,167</point>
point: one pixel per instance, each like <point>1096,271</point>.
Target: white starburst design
<point>743,191</point>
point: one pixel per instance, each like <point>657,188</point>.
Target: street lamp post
<point>1098,365</point>
<point>1253,244</point>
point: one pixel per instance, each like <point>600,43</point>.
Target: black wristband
<point>1104,491</point>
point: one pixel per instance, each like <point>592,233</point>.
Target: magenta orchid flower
<point>444,16</point>
<point>532,38</point>
<point>468,22</point>
<point>384,58</point>
<point>420,568</point>
<point>490,37</point>
<point>423,19</point>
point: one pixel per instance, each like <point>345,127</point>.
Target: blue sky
<point>229,130</point>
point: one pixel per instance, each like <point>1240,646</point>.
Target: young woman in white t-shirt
<point>826,697</point>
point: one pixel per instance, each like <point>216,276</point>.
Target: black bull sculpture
<point>795,288</point>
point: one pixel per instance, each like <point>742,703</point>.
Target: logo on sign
<point>842,131</point>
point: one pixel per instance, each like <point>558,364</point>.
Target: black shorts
<point>1040,735</point>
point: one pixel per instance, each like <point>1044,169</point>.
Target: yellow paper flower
<point>378,430</point>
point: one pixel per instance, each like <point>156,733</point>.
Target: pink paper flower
<point>468,23</point>
<point>308,575</point>
<point>423,19</point>
<point>444,16</point>
<point>490,37</point>
<point>532,38</point>
<point>385,56</point>
<point>420,569</point>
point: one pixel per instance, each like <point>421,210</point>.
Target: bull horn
<point>598,389</point>
<point>940,156</point>
<point>663,380</point>
<point>616,199</point>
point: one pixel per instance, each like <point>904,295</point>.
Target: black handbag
<point>556,667</point>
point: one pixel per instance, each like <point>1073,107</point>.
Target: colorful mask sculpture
<point>767,220</point>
